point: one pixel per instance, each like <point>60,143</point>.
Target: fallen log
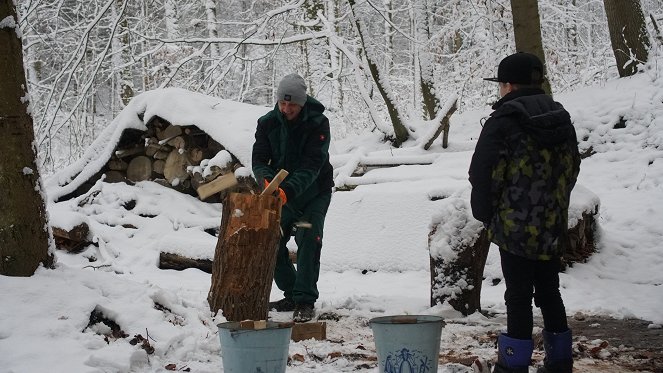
<point>180,263</point>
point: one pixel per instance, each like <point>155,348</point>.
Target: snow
<point>375,258</point>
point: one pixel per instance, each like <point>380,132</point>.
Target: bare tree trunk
<point>24,235</point>
<point>527,31</point>
<point>400,130</point>
<point>426,67</point>
<point>628,34</point>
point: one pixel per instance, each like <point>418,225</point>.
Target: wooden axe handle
<point>274,184</point>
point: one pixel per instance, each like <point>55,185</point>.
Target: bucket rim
<point>407,320</point>
<point>271,325</point>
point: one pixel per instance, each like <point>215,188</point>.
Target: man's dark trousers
<point>300,285</point>
<point>523,277</point>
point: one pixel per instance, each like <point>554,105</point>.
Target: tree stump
<point>458,250</point>
<point>245,256</point>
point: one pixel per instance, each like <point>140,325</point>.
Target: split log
<point>245,256</point>
<point>123,153</point>
<point>179,263</point>
<point>217,185</point>
<point>168,132</point>
<point>158,166</point>
<point>177,142</point>
<point>139,169</point>
<point>175,167</point>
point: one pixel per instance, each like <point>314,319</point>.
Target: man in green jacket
<point>294,136</point>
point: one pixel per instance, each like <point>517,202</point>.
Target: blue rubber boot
<point>513,355</point>
<point>559,352</point>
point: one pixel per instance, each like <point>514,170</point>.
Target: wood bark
<point>628,34</point>
<point>245,256</point>
<point>24,236</point>
<point>468,267</point>
<point>527,31</point>
<point>401,132</point>
<point>179,263</point>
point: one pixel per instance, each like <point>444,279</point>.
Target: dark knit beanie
<point>292,88</point>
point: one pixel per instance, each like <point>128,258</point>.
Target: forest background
<point>371,62</point>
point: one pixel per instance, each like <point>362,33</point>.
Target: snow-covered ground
<point>375,256</point>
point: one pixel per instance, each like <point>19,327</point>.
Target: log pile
<point>185,158</point>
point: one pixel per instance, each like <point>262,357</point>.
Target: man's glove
<point>281,195</point>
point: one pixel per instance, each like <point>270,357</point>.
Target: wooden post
<point>245,256</point>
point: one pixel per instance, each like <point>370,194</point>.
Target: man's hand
<point>281,193</point>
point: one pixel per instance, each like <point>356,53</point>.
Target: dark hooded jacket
<point>300,147</point>
<point>524,167</point>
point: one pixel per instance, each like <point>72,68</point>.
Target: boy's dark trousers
<point>526,279</point>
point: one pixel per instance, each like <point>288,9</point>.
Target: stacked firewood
<point>181,157</point>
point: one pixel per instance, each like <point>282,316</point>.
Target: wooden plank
<point>316,330</point>
<point>217,185</point>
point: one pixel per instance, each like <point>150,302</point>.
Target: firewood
<point>123,153</point>
<point>177,142</point>
<point>168,132</point>
<point>140,168</point>
<point>77,233</point>
<point>217,185</point>
<point>72,240</point>
<point>117,165</point>
<point>175,168</point>
<point>179,263</point>
<point>161,154</point>
<point>302,331</point>
<point>196,155</point>
<point>113,176</point>
<point>158,166</point>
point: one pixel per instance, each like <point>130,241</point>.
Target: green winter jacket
<point>300,147</point>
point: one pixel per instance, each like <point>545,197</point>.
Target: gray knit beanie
<point>292,88</point>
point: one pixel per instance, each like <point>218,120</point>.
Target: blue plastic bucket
<point>254,350</point>
<point>407,343</point>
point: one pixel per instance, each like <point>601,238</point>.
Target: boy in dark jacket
<point>294,136</point>
<point>522,172</point>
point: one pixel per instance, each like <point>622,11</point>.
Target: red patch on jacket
<point>322,137</point>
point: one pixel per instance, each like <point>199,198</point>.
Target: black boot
<point>283,305</point>
<point>559,352</point>
<point>513,355</point>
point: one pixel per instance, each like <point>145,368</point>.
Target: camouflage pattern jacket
<point>524,167</point>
